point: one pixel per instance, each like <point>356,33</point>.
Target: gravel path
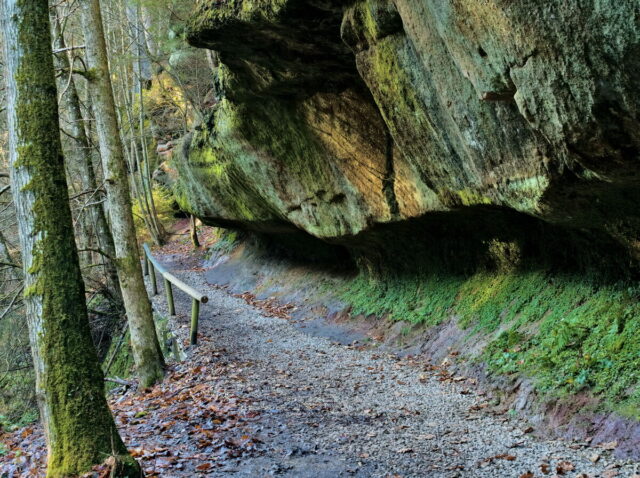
<point>329,410</point>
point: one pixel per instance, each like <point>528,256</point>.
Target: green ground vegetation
<point>568,333</point>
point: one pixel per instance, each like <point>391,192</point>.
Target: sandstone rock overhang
<point>337,117</point>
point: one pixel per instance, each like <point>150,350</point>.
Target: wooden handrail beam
<point>187,289</point>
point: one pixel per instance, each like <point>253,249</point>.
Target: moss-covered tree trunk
<point>144,341</point>
<point>79,428</point>
<point>79,153</point>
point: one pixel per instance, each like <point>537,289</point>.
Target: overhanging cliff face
<point>477,160</point>
<point>335,117</point>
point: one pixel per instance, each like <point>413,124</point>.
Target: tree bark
<point>80,155</point>
<point>144,341</point>
<point>79,428</point>
<point>194,233</point>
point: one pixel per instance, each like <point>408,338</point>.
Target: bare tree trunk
<point>80,153</point>
<point>147,22</point>
<point>212,60</point>
<point>127,34</point>
<point>141,78</point>
<point>79,428</point>
<point>141,62</point>
<point>7,263</point>
<point>194,232</point>
<point>144,341</point>
<point>160,233</point>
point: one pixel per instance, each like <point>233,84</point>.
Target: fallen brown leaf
<point>564,467</point>
<point>612,445</point>
<point>505,456</point>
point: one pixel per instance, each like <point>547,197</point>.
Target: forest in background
<point>161,88</point>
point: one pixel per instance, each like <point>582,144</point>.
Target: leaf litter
<point>186,426</point>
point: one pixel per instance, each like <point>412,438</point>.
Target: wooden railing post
<point>169,291</point>
<point>170,280</point>
<point>154,283</point>
<point>195,312</point>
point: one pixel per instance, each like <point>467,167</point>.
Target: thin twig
<point>98,251</point>
<point>60,50</point>
<point>13,301</point>
<point>83,193</point>
<point>119,381</point>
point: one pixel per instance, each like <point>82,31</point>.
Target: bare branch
<point>60,50</point>
<point>119,381</point>
<point>98,251</point>
<point>11,304</point>
<point>84,193</point>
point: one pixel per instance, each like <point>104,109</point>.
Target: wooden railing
<point>151,265</point>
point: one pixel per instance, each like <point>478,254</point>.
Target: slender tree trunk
<point>147,22</point>
<point>144,341</point>
<point>80,154</point>
<point>160,233</point>
<point>141,63</point>
<point>194,232</point>
<point>123,38</point>
<point>142,78</point>
<point>79,428</point>
<point>7,263</point>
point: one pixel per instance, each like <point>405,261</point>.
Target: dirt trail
<point>260,396</point>
<point>321,409</point>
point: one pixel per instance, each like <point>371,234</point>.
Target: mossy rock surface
<point>334,118</point>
